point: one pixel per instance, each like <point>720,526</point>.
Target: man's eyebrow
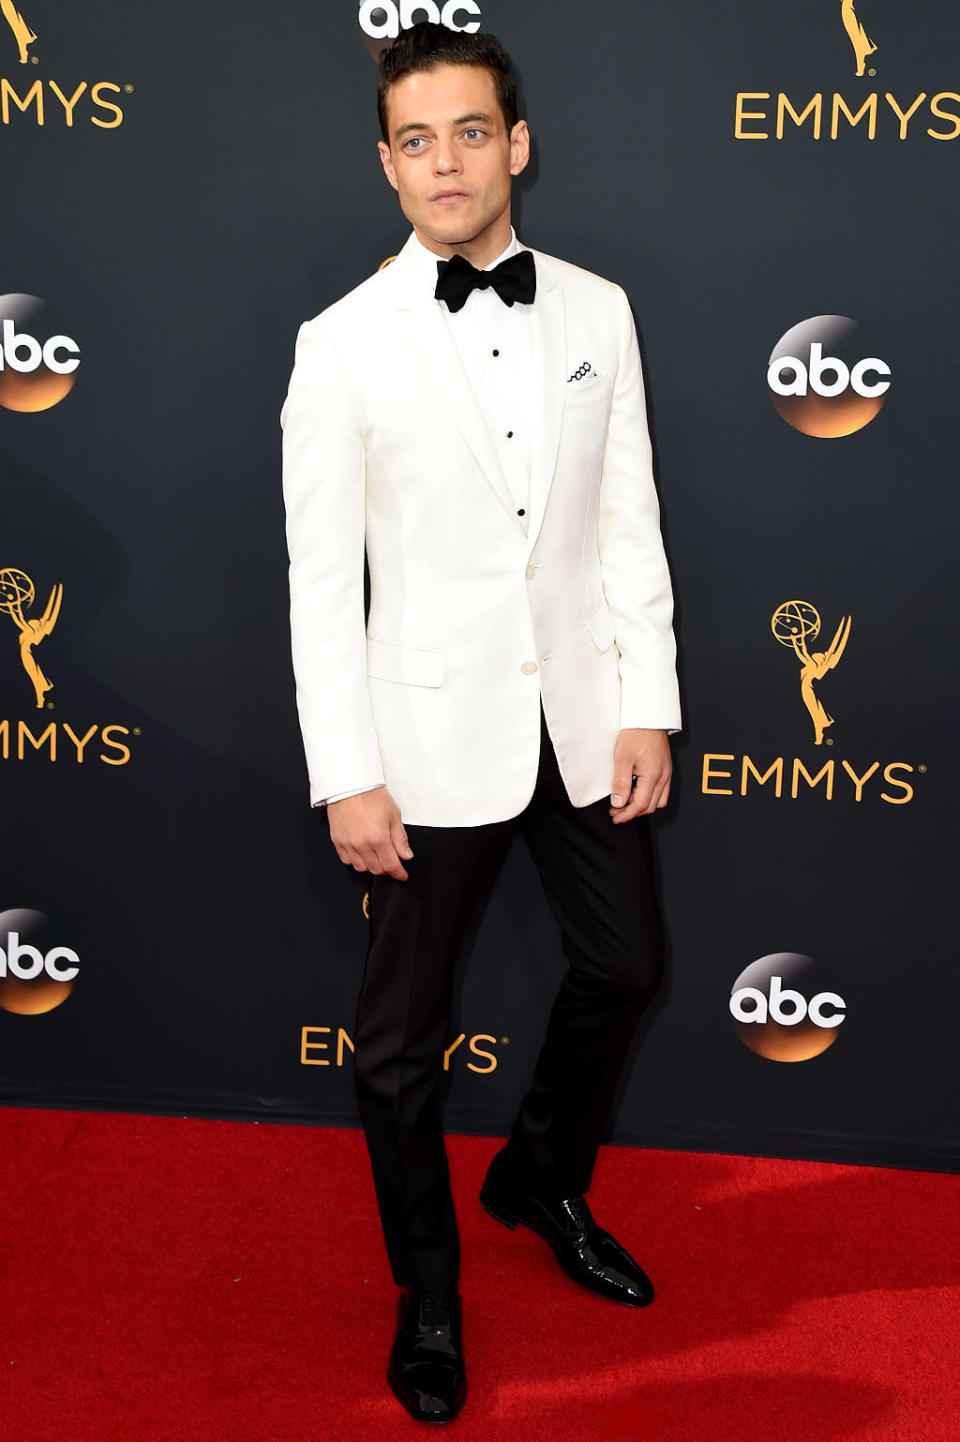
<point>460,120</point>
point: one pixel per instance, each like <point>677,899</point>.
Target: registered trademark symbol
<point>829,740</point>
<point>921,768</point>
<point>504,1040</point>
<point>34,60</point>
<point>128,89</point>
<point>136,731</point>
<point>871,71</point>
<point>50,705</point>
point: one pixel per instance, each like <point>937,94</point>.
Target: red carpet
<point>165,1280</point>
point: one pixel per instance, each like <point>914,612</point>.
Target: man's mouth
<point>449,197</point>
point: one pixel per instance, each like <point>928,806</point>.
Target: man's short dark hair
<point>427,46</point>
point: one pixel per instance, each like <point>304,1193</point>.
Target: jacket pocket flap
<point>600,626</point>
<point>406,664</point>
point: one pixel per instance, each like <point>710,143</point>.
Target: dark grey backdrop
<point>181,249</point>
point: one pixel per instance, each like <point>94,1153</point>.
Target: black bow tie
<point>513,279</point>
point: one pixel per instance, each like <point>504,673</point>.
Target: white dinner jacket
<point>471,618</point>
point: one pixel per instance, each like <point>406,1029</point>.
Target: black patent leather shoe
<point>586,1252</point>
<point>426,1368</point>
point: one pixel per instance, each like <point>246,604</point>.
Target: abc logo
<point>382,20</point>
<point>36,366</point>
<point>823,380</point>
<point>34,976</point>
<point>779,1010</point>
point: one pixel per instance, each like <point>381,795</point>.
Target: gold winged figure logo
<point>859,39</point>
<point>22,33</point>
<point>17,593</point>
<point>794,623</point>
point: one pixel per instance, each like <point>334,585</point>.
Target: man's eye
<point>473,133</point>
<point>415,142</point>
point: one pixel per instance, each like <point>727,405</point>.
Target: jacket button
<point>531,572</point>
<point>528,668</point>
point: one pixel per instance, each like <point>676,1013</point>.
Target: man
<point>473,417</point>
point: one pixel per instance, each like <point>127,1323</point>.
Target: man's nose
<point>445,158</point>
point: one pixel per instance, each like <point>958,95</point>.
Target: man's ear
<point>386,160</point>
<point>519,147</point>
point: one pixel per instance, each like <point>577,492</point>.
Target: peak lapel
<point>449,386</point>
<point>549,355</point>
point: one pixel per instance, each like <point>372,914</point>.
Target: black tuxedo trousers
<point>598,882</point>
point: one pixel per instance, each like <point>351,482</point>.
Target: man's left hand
<point>645,755</point>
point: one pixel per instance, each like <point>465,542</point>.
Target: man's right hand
<point>367,831</point>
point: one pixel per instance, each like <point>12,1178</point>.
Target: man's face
<point>450,158</point>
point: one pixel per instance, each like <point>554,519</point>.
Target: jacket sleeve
<point>636,581</point>
<point>324,493</point>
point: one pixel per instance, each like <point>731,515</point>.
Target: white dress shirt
<point>494,344</point>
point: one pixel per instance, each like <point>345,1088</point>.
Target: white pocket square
<point>583,376</point>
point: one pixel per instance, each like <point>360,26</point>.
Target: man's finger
<point>626,813</point>
<point>389,862</point>
<point>400,840</point>
<point>645,799</point>
<point>365,858</point>
<point>620,790</point>
<point>377,860</point>
<point>647,785</point>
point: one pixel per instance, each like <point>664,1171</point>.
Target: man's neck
<point>479,251</point>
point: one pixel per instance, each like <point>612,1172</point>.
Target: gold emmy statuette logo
<point>727,773</point>
<point>17,593</point>
<point>859,39</point>
<point>793,624</point>
<point>22,33</point>
<point>51,100</point>
<point>817,114</point>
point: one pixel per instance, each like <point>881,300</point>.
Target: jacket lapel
<point>448,382</point>
<point>549,354</point>
<point>446,376</point>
